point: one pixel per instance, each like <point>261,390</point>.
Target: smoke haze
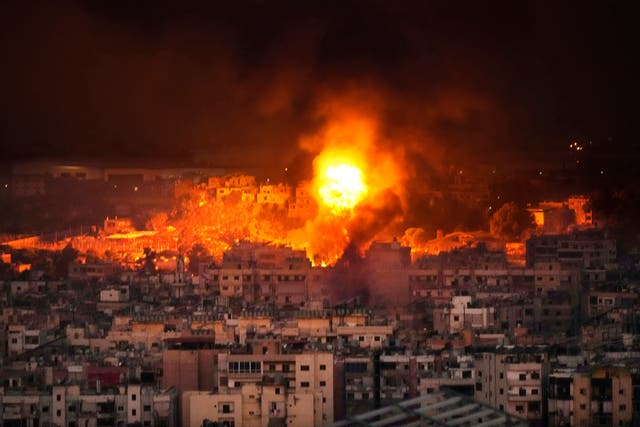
<point>239,83</point>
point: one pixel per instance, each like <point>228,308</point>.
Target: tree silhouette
<point>511,222</point>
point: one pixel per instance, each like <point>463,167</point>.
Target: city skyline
<point>286,213</point>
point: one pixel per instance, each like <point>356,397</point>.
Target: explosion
<point>341,186</point>
<point>354,197</point>
<point>357,186</point>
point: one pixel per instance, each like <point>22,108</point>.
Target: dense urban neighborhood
<point>116,326</point>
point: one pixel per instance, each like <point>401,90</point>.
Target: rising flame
<point>341,186</point>
<point>353,198</point>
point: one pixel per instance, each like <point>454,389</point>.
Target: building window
<point>583,391</point>
<point>583,406</point>
<point>120,408</point>
<point>522,377</point>
<point>146,408</point>
<point>621,391</point>
<point>522,392</point>
<point>304,384</point>
<point>304,367</point>
<point>58,397</point>
<point>501,391</point>
<point>376,338</point>
<point>323,383</point>
<point>623,407</point>
<point>323,367</point>
<point>134,412</point>
<point>535,375</point>
<point>534,391</point>
<point>501,375</point>
<point>245,367</point>
<point>277,390</point>
<point>225,408</point>
<point>58,413</point>
<point>519,408</point>
<point>134,397</point>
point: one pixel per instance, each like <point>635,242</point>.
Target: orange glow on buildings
<point>355,180</point>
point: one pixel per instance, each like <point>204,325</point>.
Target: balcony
<point>516,397</point>
<point>523,383</point>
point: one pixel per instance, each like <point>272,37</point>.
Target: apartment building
<point>513,382</point>
<point>461,314</point>
<point>259,389</point>
<point>72,405</point>
<point>602,396</point>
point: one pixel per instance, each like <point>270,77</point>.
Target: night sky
<point>239,82</point>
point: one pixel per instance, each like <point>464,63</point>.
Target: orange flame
<point>341,186</point>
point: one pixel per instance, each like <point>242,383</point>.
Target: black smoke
<point>236,83</point>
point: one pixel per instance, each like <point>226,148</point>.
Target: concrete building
<point>71,405</point>
<point>303,205</point>
<point>460,315</point>
<point>585,249</point>
<point>282,375</point>
<point>513,382</point>
<point>602,396</point>
<point>274,194</point>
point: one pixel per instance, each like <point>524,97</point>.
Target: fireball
<point>341,186</point>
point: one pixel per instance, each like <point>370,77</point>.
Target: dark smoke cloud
<point>375,220</point>
<point>237,83</point>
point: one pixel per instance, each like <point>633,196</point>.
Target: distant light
<point>540,173</point>
<point>115,186</point>
<point>601,172</point>
<point>490,207</point>
<point>6,186</point>
<point>286,169</point>
<point>135,188</point>
<point>460,172</point>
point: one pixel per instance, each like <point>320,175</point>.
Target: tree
<point>63,259</point>
<point>511,222</point>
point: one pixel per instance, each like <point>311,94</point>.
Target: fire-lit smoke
<point>358,183</point>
